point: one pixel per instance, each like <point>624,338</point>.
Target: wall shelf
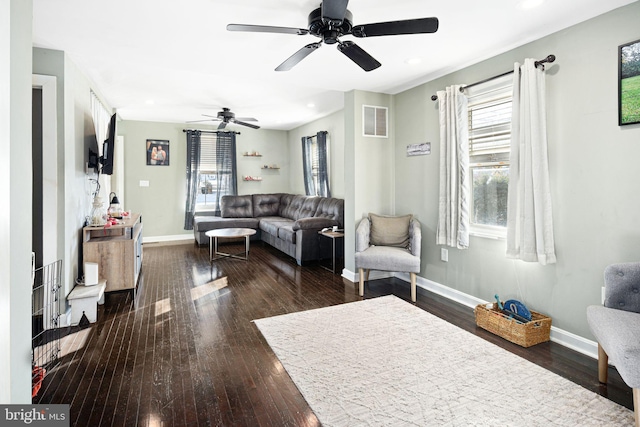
<point>252,178</point>
<point>251,154</point>
<point>271,167</point>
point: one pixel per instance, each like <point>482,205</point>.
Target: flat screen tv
<point>107,148</point>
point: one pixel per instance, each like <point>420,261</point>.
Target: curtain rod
<point>316,135</point>
<point>212,131</point>
<point>548,59</point>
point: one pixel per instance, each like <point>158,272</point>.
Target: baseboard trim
<point>174,238</point>
<point>560,336</point>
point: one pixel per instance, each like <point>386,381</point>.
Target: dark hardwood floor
<point>184,352</point>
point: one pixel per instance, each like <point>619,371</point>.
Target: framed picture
<point>419,149</point>
<point>157,152</point>
<point>629,83</point>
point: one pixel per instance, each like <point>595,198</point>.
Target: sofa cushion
<point>290,205</point>
<point>286,233</point>
<point>309,207</point>
<point>266,204</point>
<point>271,225</point>
<point>236,206</point>
<point>331,208</point>
<point>390,230</point>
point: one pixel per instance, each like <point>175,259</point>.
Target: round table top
<point>230,232</point>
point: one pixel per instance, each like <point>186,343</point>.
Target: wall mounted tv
<point>104,163</point>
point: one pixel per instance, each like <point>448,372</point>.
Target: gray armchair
<point>616,326</point>
<point>387,243</point>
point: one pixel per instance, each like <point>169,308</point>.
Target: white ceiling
<point>173,61</point>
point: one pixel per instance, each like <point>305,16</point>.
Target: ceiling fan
<point>331,21</point>
<point>226,116</point>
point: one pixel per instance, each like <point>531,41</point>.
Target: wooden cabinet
<point>118,252</point>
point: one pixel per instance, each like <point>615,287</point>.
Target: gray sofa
<point>616,326</point>
<point>288,222</point>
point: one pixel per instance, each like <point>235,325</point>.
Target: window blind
<point>490,126</point>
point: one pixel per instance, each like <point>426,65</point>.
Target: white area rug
<point>385,362</point>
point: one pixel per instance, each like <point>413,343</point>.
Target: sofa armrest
<point>363,232</point>
<point>313,223</point>
<point>622,286</point>
<point>415,237</point>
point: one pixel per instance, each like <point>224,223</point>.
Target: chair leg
<point>413,287</point>
<point>603,365</point>
<point>636,405</point>
<point>361,274</point>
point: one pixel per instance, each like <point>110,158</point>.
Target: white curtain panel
<point>453,206</point>
<point>529,219</point>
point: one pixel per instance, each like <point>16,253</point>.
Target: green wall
<point>334,125</point>
<point>162,203</point>
<point>593,171</point>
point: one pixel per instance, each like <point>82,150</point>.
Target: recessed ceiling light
<point>150,102</point>
<point>413,61</point>
<point>530,4</point>
<point>311,105</point>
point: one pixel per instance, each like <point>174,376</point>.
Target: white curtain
<point>529,218</point>
<point>453,206</point>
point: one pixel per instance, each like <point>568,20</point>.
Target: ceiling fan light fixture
<point>413,61</point>
<point>530,4</point>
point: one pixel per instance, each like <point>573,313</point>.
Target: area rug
<point>385,362</point>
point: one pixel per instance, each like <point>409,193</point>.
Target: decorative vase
<point>98,214</point>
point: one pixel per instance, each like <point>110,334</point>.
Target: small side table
<point>337,248</point>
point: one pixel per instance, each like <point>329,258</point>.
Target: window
<point>214,176</point>
<point>489,111</point>
<point>315,164</point>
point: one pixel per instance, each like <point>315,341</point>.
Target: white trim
<point>174,238</point>
<point>560,336</point>
<point>49,168</point>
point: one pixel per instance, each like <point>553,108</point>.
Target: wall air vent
<point>374,121</point>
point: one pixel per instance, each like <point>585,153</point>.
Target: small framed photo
<point>157,152</point>
<point>629,83</point>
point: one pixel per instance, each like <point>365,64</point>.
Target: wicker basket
<point>523,334</point>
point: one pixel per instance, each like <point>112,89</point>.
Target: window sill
<point>489,232</point>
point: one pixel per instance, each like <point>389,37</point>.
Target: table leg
<point>246,248</point>
<point>210,250</point>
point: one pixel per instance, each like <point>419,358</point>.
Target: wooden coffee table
<point>228,233</point>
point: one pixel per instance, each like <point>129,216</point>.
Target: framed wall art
<point>629,83</point>
<point>157,152</point>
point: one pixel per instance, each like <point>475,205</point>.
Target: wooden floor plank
<point>183,350</point>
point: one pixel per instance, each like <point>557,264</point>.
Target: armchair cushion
<point>617,331</point>
<point>387,258</point>
<point>390,231</point>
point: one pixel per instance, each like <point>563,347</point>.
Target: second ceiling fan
<point>331,21</point>
<point>226,116</point>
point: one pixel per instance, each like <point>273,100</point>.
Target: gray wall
<point>593,172</point>
<point>162,203</point>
